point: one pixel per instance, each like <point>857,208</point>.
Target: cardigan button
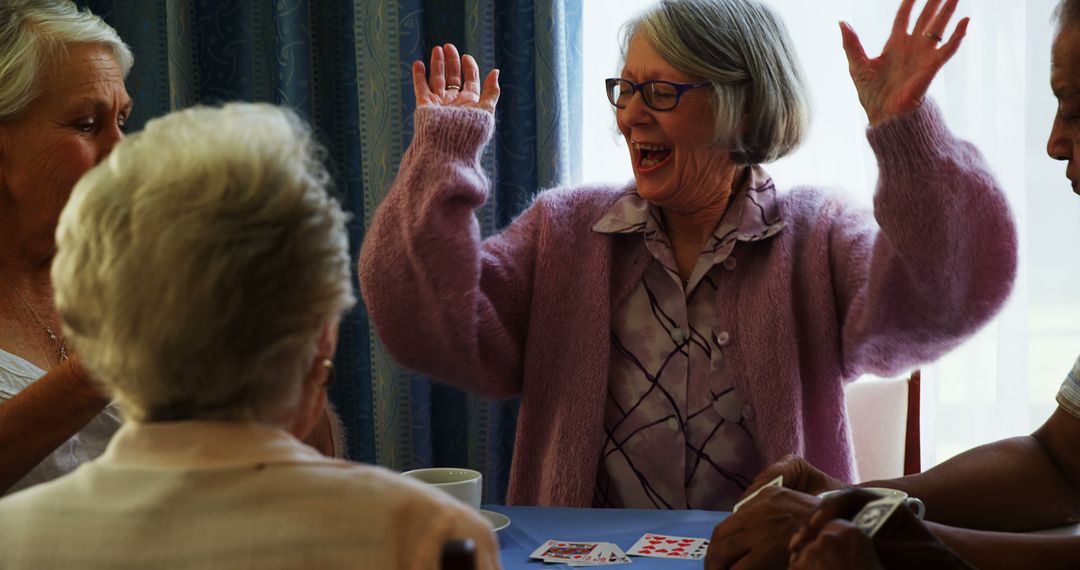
<point>723,338</point>
<point>678,335</point>
<point>730,263</point>
<point>673,424</point>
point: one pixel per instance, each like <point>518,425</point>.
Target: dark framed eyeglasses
<point>658,95</point>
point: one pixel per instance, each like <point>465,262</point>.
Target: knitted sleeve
<point>942,262</point>
<point>443,302</point>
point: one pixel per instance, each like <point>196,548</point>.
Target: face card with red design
<point>565,551</point>
<point>605,554</point>
<point>664,546</point>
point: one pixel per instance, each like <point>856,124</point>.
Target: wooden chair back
<point>459,555</point>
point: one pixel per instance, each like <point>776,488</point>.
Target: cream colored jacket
<point>228,495</point>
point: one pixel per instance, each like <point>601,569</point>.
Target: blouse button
<point>678,335</point>
<point>673,424</point>
<point>723,338</point>
<point>722,406</point>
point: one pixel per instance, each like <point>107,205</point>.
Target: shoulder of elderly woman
<point>426,519</point>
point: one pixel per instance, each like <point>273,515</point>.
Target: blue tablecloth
<point>531,526</point>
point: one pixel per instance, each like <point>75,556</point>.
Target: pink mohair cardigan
<point>832,296</point>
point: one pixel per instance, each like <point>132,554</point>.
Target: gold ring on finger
<point>453,87</point>
<point>936,37</point>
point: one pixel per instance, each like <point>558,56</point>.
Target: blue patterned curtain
<point>344,66</point>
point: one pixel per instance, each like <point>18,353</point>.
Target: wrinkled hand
<point>449,70</point>
<point>903,542</point>
<point>837,544</point>
<point>896,81</point>
<point>799,475</point>
<point>829,541</point>
<point>758,535</point>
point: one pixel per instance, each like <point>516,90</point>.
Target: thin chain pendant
<point>62,349</point>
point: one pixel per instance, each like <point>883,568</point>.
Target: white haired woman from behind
<point>204,291</point>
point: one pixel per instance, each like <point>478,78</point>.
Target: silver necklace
<point>59,342</point>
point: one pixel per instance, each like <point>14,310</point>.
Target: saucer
<point>498,521</point>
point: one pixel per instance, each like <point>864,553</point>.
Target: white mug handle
<point>917,506</point>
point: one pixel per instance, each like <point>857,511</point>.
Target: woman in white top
<point>201,272</point>
<point>62,108</point>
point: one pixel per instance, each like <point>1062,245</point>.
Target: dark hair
<point>1067,12</point>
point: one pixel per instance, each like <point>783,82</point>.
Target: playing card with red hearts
<point>664,546</point>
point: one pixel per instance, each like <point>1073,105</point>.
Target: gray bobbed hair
<point>743,49</point>
<point>197,265</point>
<point>34,31</point>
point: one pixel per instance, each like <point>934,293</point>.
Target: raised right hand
<point>447,71</point>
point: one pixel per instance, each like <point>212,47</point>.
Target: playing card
<point>564,551</point>
<point>606,553</point>
<point>595,558</point>
<point>664,546</point>
<point>778,482</point>
<point>874,514</point>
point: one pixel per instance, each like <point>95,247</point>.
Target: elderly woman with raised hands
<point>982,504</point>
<point>671,338</point>
<point>63,107</point>
<point>204,293</point>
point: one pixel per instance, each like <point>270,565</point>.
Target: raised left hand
<point>896,81</point>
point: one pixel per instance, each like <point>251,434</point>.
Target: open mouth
<point>651,156</point>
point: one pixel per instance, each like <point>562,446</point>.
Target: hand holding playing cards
<point>831,542</point>
<point>899,539</point>
<point>838,544</point>
<point>798,474</point>
<point>757,536</point>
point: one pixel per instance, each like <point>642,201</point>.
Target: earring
<point>329,366</point>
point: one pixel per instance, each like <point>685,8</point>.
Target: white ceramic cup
<point>464,485</point>
<point>916,505</point>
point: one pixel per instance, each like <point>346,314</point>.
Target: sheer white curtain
<point>995,93</point>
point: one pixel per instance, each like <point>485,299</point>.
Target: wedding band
<point>454,87</point>
<point>933,36</point>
